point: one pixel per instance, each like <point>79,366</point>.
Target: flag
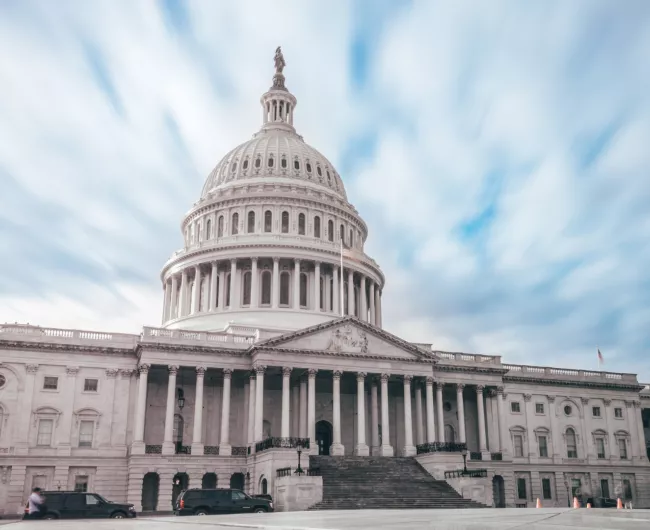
<point>600,357</point>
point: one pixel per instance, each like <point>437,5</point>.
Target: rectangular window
<point>514,407</point>
<point>521,488</point>
<point>627,489</point>
<point>543,447</point>
<point>604,488</point>
<point>595,412</point>
<point>539,408</point>
<point>600,447</point>
<point>44,437</point>
<point>90,385</point>
<point>622,448</point>
<point>50,383</point>
<point>546,488</point>
<point>86,429</point>
<point>81,483</point>
<point>519,445</point>
<point>618,412</point>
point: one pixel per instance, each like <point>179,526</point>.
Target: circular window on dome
<point>568,410</point>
<point>447,406</point>
<point>3,380</point>
<point>308,167</point>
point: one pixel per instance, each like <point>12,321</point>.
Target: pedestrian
<point>36,504</point>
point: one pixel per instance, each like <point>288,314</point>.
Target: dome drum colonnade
<point>263,243</point>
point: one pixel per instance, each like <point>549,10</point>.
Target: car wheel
<point>201,511</point>
<point>259,510</point>
<point>118,515</point>
<point>50,516</point>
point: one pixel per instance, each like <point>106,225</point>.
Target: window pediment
<point>599,433</point>
<point>542,431</point>
<point>622,434</point>
<point>48,413</point>
<point>87,414</point>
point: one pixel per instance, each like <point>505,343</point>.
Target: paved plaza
<point>531,519</point>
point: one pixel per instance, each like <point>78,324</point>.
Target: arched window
<point>330,230</point>
<point>285,222</point>
<point>234,229</point>
<point>234,167</point>
<point>220,226</point>
<point>264,487</point>
<point>303,290</point>
<point>251,222</point>
<point>246,288</point>
<point>178,428</point>
<point>268,221</point>
<point>283,163</point>
<point>316,226</point>
<point>227,289</point>
<point>351,242</point>
<point>266,288</point>
<point>342,233</point>
<point>258,162</point>
<point>308,166</point>
<point>245,164</point>
<point>284,288</point>
<point>450,435</point>
<point>270,162</point>
<point>301,224</point>
<point>320,171</point>
<point>296,164</point>
<point>571,445</point>
<point>208,229</point>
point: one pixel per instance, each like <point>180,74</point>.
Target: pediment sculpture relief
<point>348,339</point>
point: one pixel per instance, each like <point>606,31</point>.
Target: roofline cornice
<point>65,347</point>
<point>573,383</point>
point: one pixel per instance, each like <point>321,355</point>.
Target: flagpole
<point>341,282</point>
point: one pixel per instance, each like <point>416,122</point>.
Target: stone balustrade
<point>215,338</point>
<point>546,372</point>
<point>26,332</point>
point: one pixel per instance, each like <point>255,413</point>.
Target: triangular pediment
<point>348,336</point>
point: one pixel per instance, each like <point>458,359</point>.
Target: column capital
<point>197,268</point>
<point>311,373</point>
<point>336,374</point>
<point>252,375</point>
<point>227,373</point>
<point>408,379</point>
<point>286,371</point>
<point>276,260</point>
<point>500,390</point>
<point>460,387</point>
<point>384,378</point>
<point>144,368</point>
<point>297,261</point>
<point>254,260</point>
<point>527,397</point>
<point>440,384</point>
<point>585,401</point>
<point>480,388</point>
<point>72,370</point>
<point>607,402</point>
<point>200,371</point>
<point>173,369</point>
<point>628,404</point>
<point>361,377</point>
<point>126,373</point>
<point>233,261</point>
<point>637,404</point>
<point>259,369</point>
<point>429,381</point>
<point>111,372</point>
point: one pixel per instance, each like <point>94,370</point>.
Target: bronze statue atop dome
<point>279,61</point>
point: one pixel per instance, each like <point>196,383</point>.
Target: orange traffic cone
<point>619,504</point>
<point>576,504</point>
<point>588,505</point>
<point>539,503</point>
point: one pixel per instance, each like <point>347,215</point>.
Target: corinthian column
<point>225,448</point>
<point>174,298</point>
<point>350,292</point>
<point>259,402</point>
<point>371,296</point>
<point>317,286</point>
<point>363,304</point>
<point>296,284</point>
<point>336,308</point>
<point>460,406</point>
<point>374,416</point>
<point>276,283</point>
<point>337,448</point>
<point>361,448</point>
<point>255,290</point>
<point>439,413</point>
<point>286,399</point>
<point>311,409</point>
<point>168,440</point>
<point>140,409</point>
<point>431,424</point>
<point>409,448</point>
<point>418,414</point>
<point>386,447</point>
<point>481,418</point>
<point>197,431</point>
<point>196,305</point>
<point>214,274</point>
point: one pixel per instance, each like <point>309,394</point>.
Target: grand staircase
<point>354,483</point>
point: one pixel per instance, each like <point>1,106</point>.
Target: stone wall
<point>437,463</point>
<point>477,489</point>
<point>295,493</point>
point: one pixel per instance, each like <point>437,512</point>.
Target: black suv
<point>75,505</point>
<point>211,501</point>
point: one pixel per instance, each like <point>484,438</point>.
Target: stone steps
<point>353,483</point>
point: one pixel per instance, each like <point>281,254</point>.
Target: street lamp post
<point>299,471</point>
<point>464,453</point>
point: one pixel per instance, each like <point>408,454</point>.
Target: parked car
<point>216,501</point>
<point>263,496</point>
<point>76,505</point>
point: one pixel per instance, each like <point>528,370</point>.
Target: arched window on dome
<point>317,226</point>
<point>296,164</point>
<point>258,162</point>
<point>246,289</point>
<point>227,286</point>
<point>268,221</point>
<point>266,288</point>
<point>301,224</point>
<point>233,168</point>
<point>220,226</point>
<point>208,229</point>
<point>251,222</point>
<point>270,162</point>
<point>330,230</point>
<point>342,233</point>
<point>245,164</point>
<point>285,222</point>
<point>351,242</point>
<point>329,178</point>
<point>283,162</point>
<point>308,166</point>
<point>234,229</point>
<point>284,288</point>
<point>319,171</point>
<point>303,289</point>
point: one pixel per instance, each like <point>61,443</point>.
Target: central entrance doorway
<point>324,437</point>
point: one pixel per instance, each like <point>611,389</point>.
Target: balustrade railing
<point>282,443</point>
<point>153,449</point>
<point>283,472</point>
<point>239,451</point>
<point>496,456</point>
<point>183,449</point>
<point>211,450</point>
<point>440,447</point>
<point>469,473</point>
<point>474,455</point>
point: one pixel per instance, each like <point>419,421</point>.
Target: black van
<point>75,505</point>
<point>215,501</point>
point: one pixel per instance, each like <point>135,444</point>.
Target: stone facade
<point>272,329</point>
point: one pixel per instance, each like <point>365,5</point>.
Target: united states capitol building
<point>270,343</point>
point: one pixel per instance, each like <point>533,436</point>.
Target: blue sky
<point>499,152</point>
